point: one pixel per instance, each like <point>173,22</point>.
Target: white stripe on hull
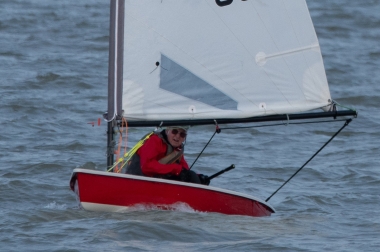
<point>103,207</point>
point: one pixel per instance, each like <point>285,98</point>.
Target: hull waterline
<point>112,192</point>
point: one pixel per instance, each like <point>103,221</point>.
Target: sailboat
<point>204,62</point>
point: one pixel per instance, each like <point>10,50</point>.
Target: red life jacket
<point>171,156</point>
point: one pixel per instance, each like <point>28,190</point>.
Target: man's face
<point>176,136</point>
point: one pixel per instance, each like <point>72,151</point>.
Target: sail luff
<point>115,64</point>
<point>120,60</point>
<point>115,73</point>
<point>111,60</point>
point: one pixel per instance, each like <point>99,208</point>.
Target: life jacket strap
<point>171,157</point>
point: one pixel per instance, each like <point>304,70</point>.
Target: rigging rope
<point>315,154</point>
<point>128,155</point>
<point>340,105</point>
<point>117,152</point>
<point>217,130</point>
<point>115,167</point>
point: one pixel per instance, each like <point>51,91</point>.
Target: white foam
<point>178,206</point>
<point>54,205</point>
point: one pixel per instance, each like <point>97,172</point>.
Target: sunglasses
<point>181,134</point>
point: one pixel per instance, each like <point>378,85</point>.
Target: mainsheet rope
<point>315,154</point>
<point>218,130</point>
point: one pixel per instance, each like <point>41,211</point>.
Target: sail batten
<point>196,60</point>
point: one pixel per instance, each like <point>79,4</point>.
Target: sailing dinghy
<point>199,62</point>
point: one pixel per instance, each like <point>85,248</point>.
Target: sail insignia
<point>222,3</point>
<point>177,79</point>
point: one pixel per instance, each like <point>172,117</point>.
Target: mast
<point>115,73</point>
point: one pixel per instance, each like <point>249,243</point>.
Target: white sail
<point>194,59</point>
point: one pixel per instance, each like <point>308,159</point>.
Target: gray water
<point>53,73</point>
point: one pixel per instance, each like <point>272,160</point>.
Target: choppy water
<point>53,73</point>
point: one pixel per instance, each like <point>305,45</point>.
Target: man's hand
<point>185,175</point>
<point>204,179</point>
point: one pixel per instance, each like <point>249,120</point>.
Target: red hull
<point>107,191</point>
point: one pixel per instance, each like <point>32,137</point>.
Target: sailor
<point>161,156</point>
